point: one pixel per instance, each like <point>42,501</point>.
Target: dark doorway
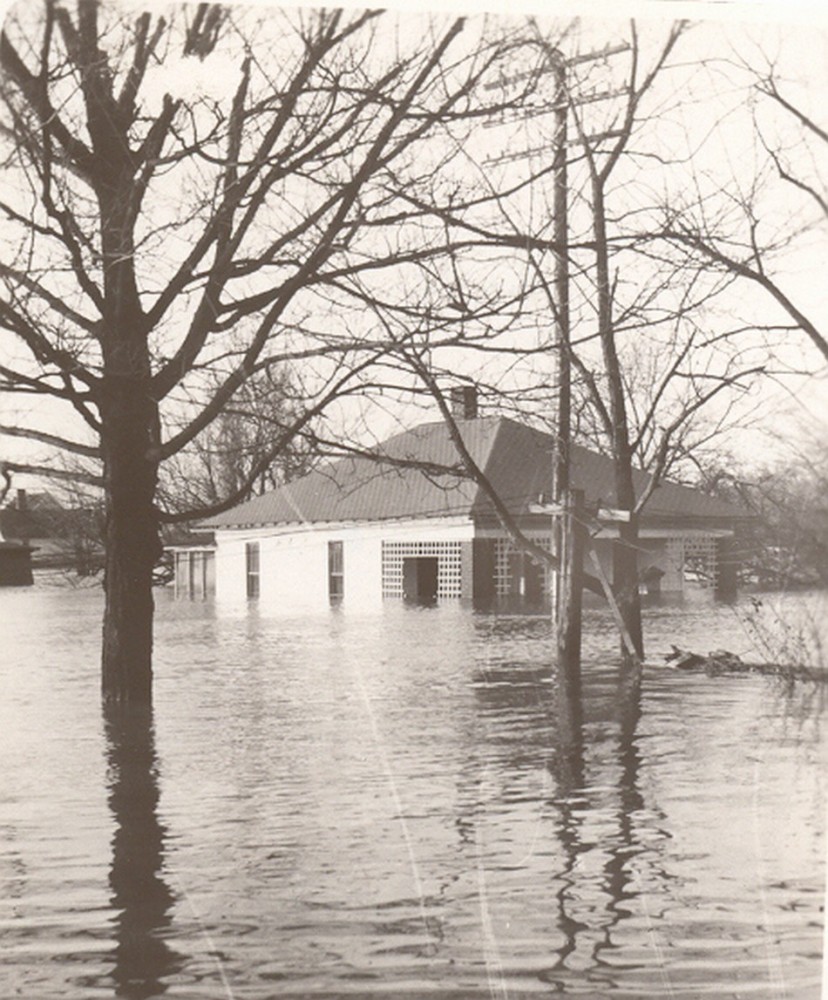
<point>420,580</point>
<point>533,582</point>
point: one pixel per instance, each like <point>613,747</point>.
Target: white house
<point>361,531</point>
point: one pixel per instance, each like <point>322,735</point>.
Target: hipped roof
<point>515,458</point>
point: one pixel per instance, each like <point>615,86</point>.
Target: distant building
<point>15,564</point>
<point>58,537</point>
<point>360,531</point>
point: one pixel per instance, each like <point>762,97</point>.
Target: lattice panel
<point>503,571</point>
<point>504,551</point>
<point>449,566</point>
<point>700,559</point>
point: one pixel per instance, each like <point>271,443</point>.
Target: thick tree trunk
<point>132,543</point>
<point>128,411</point>
<point>570,586</point>
<point>625,547</point>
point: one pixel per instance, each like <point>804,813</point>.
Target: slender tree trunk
<point>625,548</point>
<point>625,577</point>
<point>132,544</point>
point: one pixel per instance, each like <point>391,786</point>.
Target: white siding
<point>294,572</point>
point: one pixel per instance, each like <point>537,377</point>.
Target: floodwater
<point>402,805</point>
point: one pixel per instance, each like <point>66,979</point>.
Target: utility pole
<point>569,530</point>
<point>563,428</point>
<point>567,598</point>
<point>567,508</point>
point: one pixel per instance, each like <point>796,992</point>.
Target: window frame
<point>252,568</point>
<point>336,571</point>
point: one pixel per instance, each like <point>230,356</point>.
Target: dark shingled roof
<point>515,458</point>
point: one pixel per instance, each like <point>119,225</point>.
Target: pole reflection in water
<point>139,893</point>
<point>568,768</point>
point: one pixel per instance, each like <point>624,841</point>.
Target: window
<point>336,572</point>
<point>251,552</point>
<point>195,576</point>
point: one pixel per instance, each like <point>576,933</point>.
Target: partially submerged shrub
<point>788,633</point>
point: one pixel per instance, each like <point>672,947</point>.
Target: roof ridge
<point>480,493</point>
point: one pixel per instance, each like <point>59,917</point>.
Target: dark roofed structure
<point>515,458</point>
<point>56,537</point>
<point>15,564</point>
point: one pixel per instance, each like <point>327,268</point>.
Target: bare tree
<point>250,447</point>
<point>786,544</point>
<point>167,238</point>
<point>656,371</point>
<point>744,235</point>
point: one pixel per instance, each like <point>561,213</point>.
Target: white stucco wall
<point>293,562</point>
<point>230,578</point>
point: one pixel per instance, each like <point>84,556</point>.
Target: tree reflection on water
<point>142,899</point>
<point>584,734</point>
<point>569,769</point>
<point>617,869</point>
<point>399,805</point>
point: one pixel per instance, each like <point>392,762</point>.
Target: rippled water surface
<point>400,805</point>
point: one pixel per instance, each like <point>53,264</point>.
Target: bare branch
<point>53,440</point>
<point>697,242</point>
<point>49,472</point>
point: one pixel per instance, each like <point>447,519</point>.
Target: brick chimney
<point>22,502</point>
<point>464,402</point>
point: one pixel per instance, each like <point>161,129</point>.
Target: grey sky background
<point>798,32</point>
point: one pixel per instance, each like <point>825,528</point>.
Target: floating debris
<point>722,661</point>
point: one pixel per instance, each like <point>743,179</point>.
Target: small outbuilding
<point>361,531</point>
<point>15,564</point>
<point>57,537</point>
<point>15,557</point>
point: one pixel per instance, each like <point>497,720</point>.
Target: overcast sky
<point>790,25</point>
